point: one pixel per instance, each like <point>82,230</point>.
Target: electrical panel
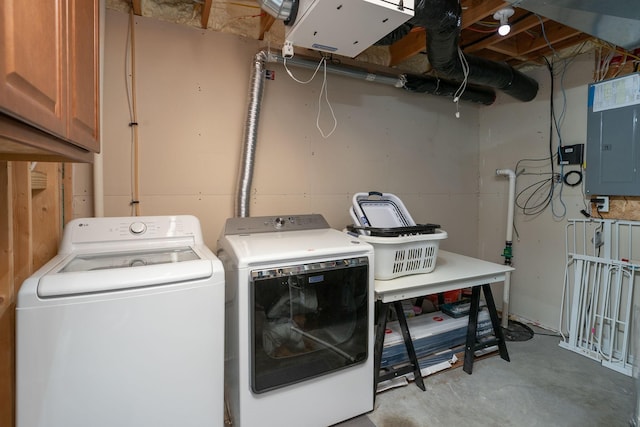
<point>613,137</point>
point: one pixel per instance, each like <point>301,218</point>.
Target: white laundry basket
<point>404,255</point>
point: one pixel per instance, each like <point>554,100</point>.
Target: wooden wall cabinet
<point>49,80</point>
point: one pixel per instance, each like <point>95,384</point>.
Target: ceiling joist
<point>532,37</point>
<point>136,5</point>
<point>206,11</point>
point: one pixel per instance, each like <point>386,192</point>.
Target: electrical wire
<point>323,92</point>
<point>477,30</point>
<point>563,212</point>
<point>133,115</point>
<point>544,34</point>
<point>548,191</point>
<point>539,195</point>
<point>322,61</point>
<point>463,85</point>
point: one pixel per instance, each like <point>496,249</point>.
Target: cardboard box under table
<point>453,271</point>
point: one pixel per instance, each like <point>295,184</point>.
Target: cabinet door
<point>33,63</point>
<point>83,73</point>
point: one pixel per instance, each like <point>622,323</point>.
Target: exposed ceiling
<point>532,37</point>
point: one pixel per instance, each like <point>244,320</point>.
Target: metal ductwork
<point>422,84</point>
<point>285,10</point>
<point>442,19</point>
<point>250,136</point>
<point>616,22</point>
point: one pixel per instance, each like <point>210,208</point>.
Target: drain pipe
<point>508,249</point>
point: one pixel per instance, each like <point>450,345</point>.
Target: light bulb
<point>503,16</point>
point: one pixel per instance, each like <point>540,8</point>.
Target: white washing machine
<point>124,327</point>
<point>299,326</point>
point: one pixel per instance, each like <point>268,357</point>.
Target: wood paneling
<point>7,297</point>
<point>30,232</point>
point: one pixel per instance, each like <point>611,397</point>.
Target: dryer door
<point>308,320</point>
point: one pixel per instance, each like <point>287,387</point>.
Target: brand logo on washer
<point>83,224</point>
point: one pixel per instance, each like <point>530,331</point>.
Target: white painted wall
<point>511,131</point>
<point>192,96</point>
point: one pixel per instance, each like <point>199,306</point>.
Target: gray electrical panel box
<point>613,137</point>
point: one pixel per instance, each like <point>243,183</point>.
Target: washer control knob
<point>138,228</point>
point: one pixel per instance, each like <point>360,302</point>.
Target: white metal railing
<point>600,277</point>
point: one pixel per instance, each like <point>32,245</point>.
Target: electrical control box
<point>346,27</point>
<point>571,154</point>
<point>613,137</point>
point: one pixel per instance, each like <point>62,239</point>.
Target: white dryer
<point>299,326</point>
<point>124,327</point>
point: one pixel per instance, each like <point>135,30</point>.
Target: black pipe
<point>442,20</point>
<point>435,86</point>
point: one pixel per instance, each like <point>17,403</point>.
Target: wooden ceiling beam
<point>416,41</point>
<point>137,7</point>
<point>266,22</point>
<point>474,11</point>
<point>206,11</point>
<point>536,56</point>
<point>410,45</point>
<point>517,28</point>
<point>555,33</point>
<point>507,47</point>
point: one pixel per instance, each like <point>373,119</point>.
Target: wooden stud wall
<point>31,223</point>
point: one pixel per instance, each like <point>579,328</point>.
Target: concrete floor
<point>543,385</point>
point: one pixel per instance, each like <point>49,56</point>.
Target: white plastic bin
<point>404,255</point>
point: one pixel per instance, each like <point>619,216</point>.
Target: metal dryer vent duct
<point>423,84</point>
<point>285,10</point>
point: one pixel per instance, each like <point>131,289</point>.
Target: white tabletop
<point>453,271</point>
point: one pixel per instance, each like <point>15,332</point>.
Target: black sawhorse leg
<point>471,344</point>
<point>382,310</point>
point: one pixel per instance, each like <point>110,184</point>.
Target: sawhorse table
<point>453,271</point>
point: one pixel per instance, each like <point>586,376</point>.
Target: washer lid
<point>91,273</point>
<point>93,262</point>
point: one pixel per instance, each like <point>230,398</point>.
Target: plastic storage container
<point>374,209</point>
<point>404,255</point>
<point>401,247</point>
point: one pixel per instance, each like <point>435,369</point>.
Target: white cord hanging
<point>326,97</point>
<point>463,85</point>
<point>322,61</point>
<point>323,90</point>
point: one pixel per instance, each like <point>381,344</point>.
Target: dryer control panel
<point>269,224</point>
